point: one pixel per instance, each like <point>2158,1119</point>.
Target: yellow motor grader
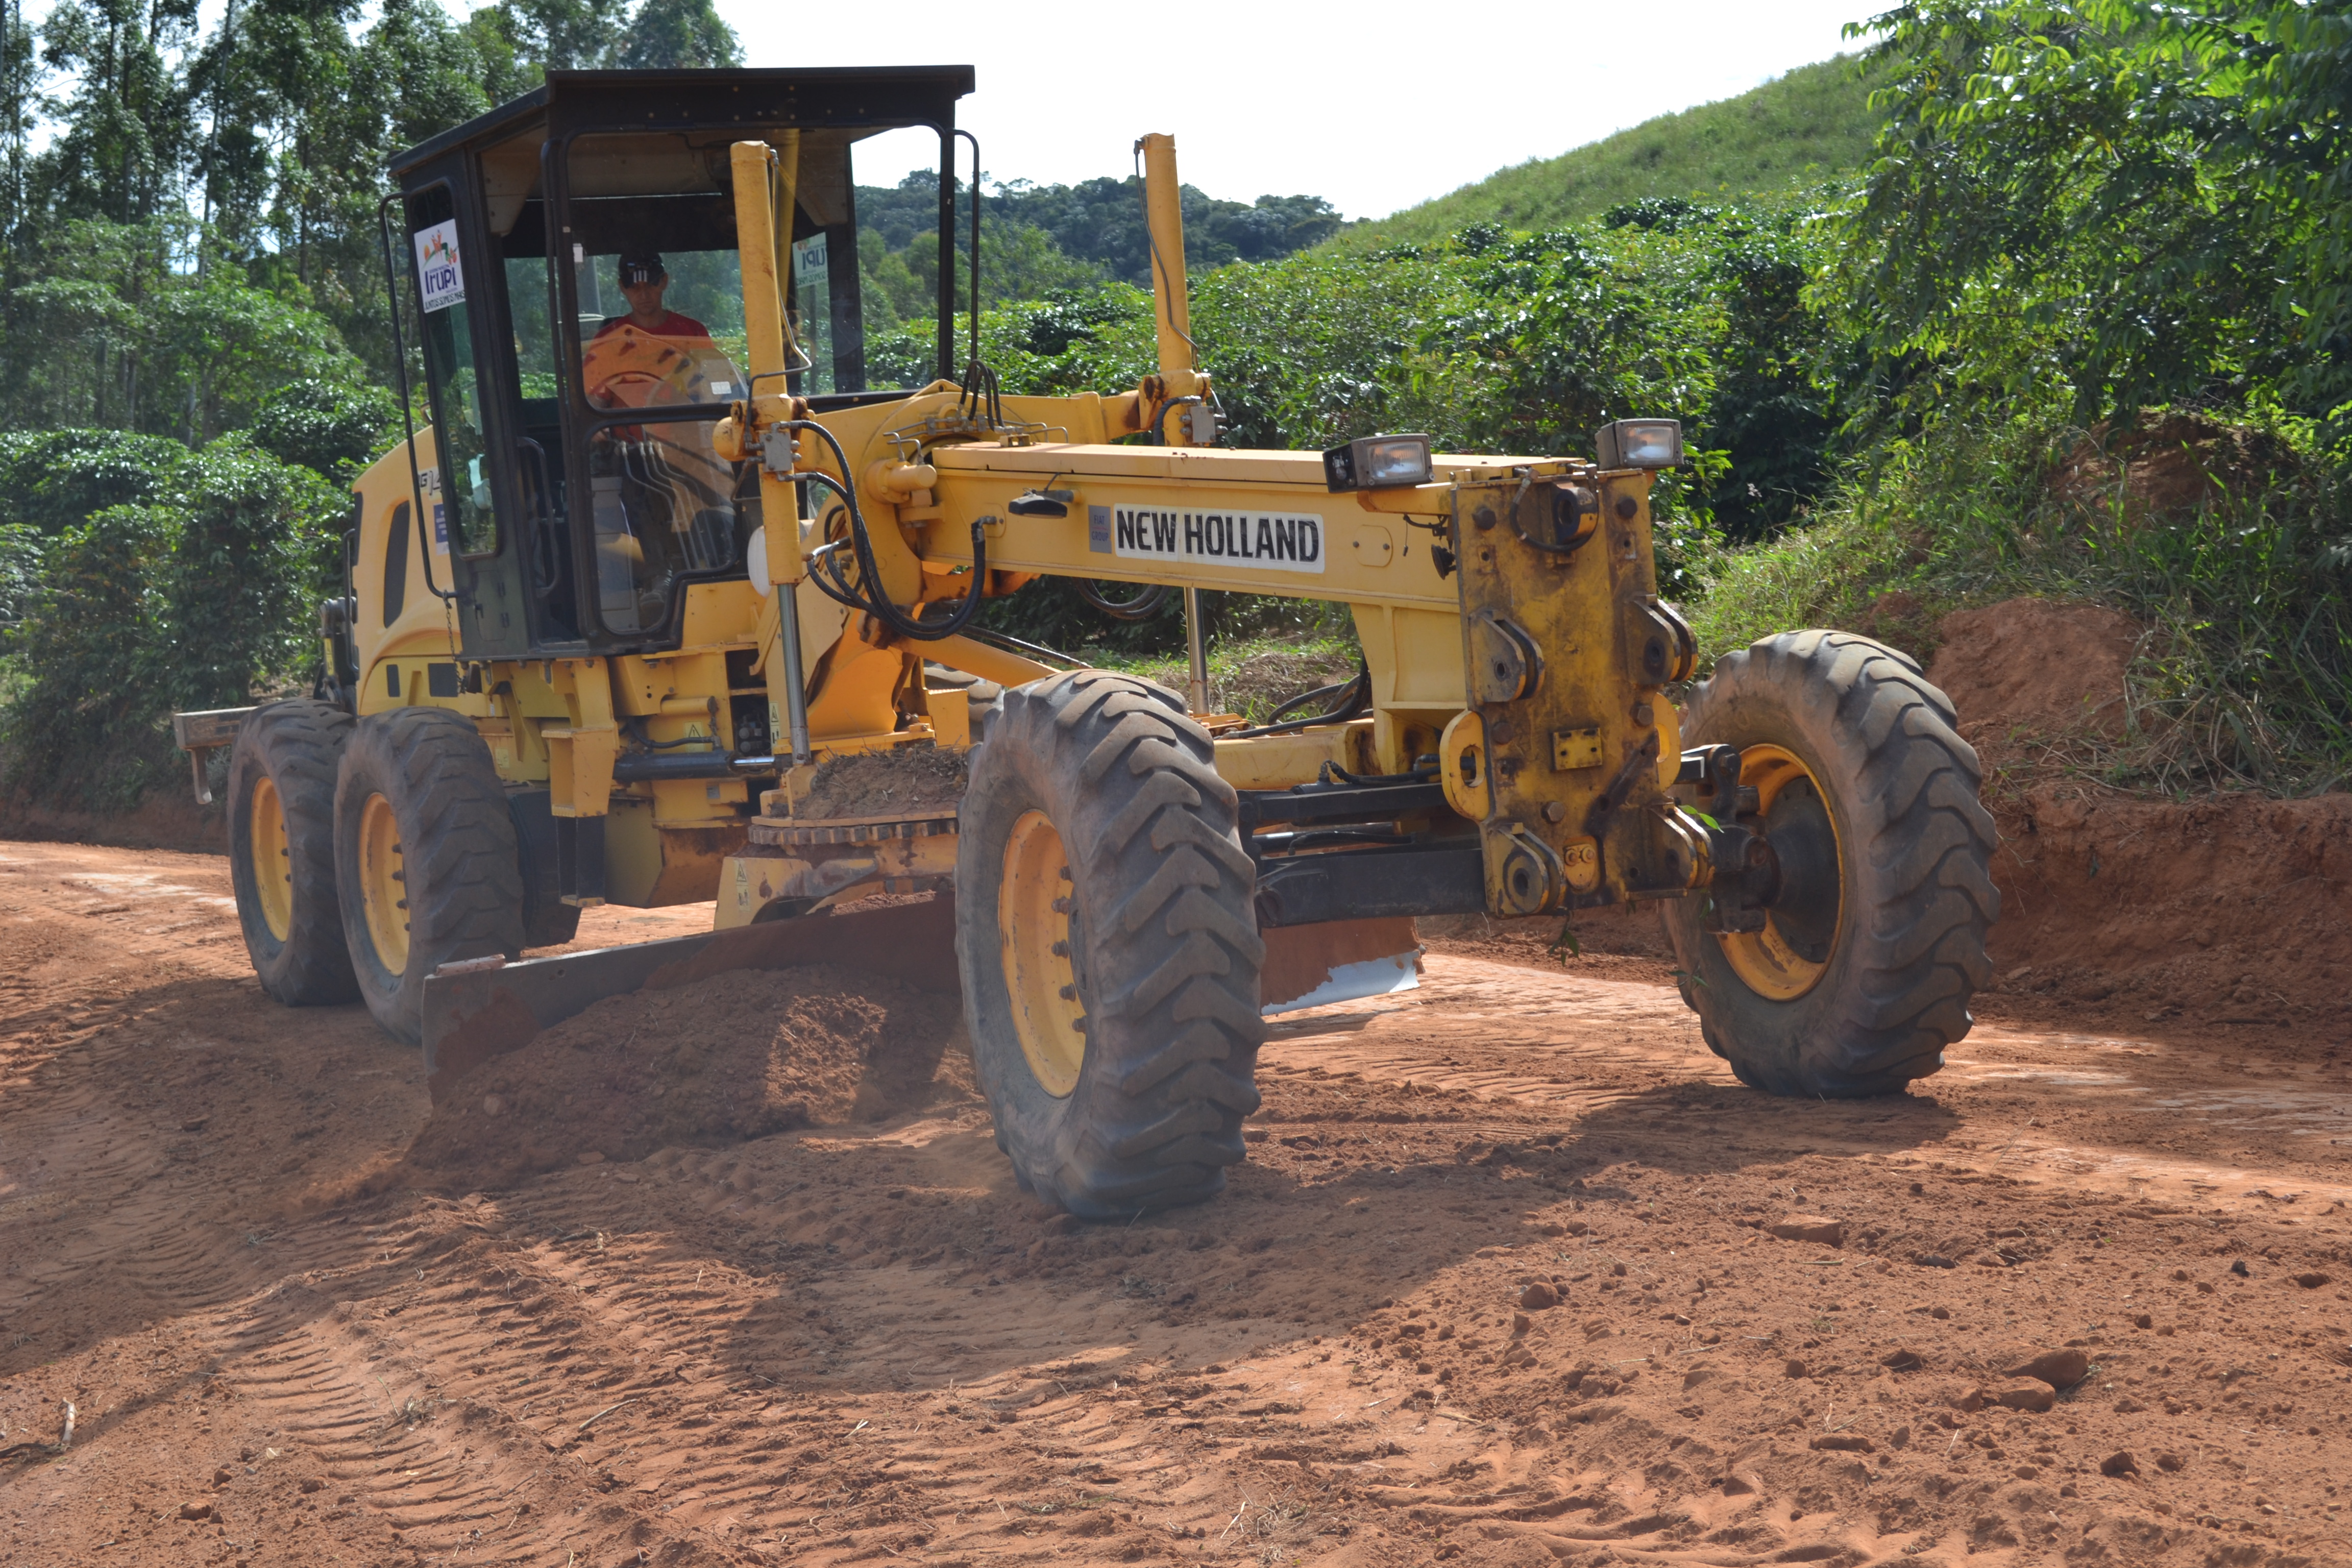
<point>671,542</point>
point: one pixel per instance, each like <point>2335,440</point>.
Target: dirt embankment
<point>2229,909</point>
<point>2226,912</point>
<point>168,818</point>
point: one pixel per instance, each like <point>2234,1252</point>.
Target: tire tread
<point>1928,853</point>
<point>300,744</point>
<point>1166,892</point>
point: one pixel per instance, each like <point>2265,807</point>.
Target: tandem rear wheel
<point>355,892</point>
<point>426,861</point>
<point>281,847</point>
<point>1876,940</point>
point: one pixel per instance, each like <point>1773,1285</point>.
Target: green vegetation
<point>1931,320</point>
<point>1251,675</point>
<point>192,339</point>
<point>2246,678</point>
<point>182,599</point>
<point>2079,217</point>
<point>1812,125</point>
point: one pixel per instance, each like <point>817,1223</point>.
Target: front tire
<point>426,863</point>
<point>1868,794</point>
<point>1109,946</point>
<point>281,846</point>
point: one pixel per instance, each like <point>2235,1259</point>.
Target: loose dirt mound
<point>877,783</point>
<point>2034,666</point>
<point>2174,463</point>
<point>738,1056</point>
<point>2235,908</point>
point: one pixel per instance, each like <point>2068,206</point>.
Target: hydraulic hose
<point>1355,694</point>
<point>1142,607</point>
<point>874,602</point>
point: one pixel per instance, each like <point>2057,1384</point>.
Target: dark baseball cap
<point>641,267</point>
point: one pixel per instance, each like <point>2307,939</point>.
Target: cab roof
<point>688,99</point>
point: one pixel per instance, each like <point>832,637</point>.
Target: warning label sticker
<point>1281,541</point>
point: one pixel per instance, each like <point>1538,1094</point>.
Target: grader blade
<point>484,1009</point>
<point>479,1010</point>
<point>1337,961</point>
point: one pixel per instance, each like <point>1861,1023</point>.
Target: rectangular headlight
<point>1378,463</point>
<point>1640,444</point>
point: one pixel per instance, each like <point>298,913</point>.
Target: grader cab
<point>671,542</point>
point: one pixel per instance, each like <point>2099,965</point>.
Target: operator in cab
<point>665,503</point>
<point>653,354</point>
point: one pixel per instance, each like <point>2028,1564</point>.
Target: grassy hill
<point>1813,121</point>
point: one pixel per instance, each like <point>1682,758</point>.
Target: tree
<point>679,34</point>
<point>559,35</point>
<point>2136,202</point>
<point>123,141</point>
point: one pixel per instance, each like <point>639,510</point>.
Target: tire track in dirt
<point>852,1344</point>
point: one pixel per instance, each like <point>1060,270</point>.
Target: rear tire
<point>1866,972</point>
<point>281,847</point>
<point>547,920</point>
<point>1114,1015</point>
<point>426,863</point>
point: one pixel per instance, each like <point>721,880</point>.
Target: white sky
<point>1375,106</point>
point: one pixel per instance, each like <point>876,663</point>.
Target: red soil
<point>1515,1273</point>
<point>739,1057</point>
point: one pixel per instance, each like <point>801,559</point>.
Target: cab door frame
<point>490,583</point>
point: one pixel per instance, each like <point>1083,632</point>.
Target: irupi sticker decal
<point>439,275</point>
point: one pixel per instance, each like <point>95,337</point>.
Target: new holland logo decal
<point>1278,541</point>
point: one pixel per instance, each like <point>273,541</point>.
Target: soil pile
<point>2231,910</point>
<point>899,780</point>
<point>2031,666</point>
<point>2173,463</point>
<point>737,1057</point>
<point>2228,910</point>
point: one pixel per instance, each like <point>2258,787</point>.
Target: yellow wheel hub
<point>383,884</point>
<point>1034,931</point>
<point>1789,956</point>
<point>273,862</point>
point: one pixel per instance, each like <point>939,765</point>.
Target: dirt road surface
<point>1515,1275</point>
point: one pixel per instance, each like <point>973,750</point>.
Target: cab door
<point>476,515</point>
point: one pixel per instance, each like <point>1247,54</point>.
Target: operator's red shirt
<point>671,325</point>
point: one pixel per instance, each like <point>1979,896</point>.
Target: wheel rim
<point>1037,930</point>
<point>1790,955</point>
<point>272,863</point>
<point>383,884</point>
